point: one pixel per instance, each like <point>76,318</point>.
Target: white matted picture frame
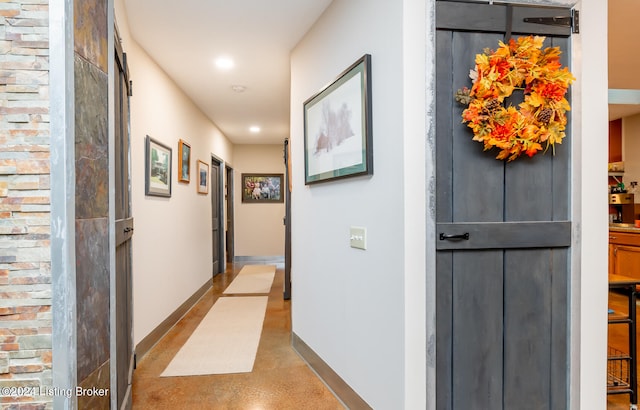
<point>157,168</point>
<point>203,177</point>
<point>338,127</point>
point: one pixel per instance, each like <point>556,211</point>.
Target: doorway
<point>230,250</point>
<point>217,216</point>
<point>503,236</point>
<point>287,220</point>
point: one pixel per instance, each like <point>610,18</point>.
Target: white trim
<point>415,234</point>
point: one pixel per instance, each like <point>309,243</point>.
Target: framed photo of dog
<point>337,127</point>
<point>262,188</point>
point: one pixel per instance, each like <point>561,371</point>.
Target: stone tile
<point>92,287</point>
<point>91,86</point>
<point>92,149</point>
<point>96,384</point>
<point>90,32</point>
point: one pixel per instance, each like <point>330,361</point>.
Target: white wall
<point>172,240</point>
<point>259,228</point>
<point>348,304</point>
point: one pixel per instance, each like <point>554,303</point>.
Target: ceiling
<point>624,59</point>
<point>186,38</point>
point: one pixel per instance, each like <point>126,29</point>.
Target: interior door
<point>230,247</point>
<point>124,360</point>
<point>287,221</point>
<point>503,236</point>
<point>216,215</point>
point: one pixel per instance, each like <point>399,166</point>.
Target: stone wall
<point>25,273</point>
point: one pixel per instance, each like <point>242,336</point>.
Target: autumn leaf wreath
<point>539,120</point>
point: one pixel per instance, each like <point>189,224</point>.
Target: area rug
<point>226,341</point>
<point>252,279</point>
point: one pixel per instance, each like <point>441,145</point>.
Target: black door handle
<point>451,237</point>
<point>128,229</point>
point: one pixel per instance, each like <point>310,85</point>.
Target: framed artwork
<point>203,177</point>
<point>337,127</point>
<point>157,168</point>
<point>262,188</point>
<point>184,162</point>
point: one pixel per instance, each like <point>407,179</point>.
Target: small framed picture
<point>157,168</point>
<point>262,188</point>
<point>184,162</point>
<point>203,177</point>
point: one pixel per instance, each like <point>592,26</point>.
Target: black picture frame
<point>338,141</point>
<point>262,188</point>
<point>157,161</point>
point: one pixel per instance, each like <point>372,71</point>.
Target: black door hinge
<point>572,21</point>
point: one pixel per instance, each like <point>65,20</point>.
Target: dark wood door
<point>123,359</point>
<point>216,218</point>
<point>287,221</point>
<point>230,247</point>
<point>502,312</point>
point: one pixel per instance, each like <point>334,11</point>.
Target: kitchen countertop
<point>629,228</point>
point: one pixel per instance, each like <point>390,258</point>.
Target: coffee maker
<point>621,208</point>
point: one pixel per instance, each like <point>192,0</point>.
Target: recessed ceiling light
<point>255,129</point>
<point>225,63</point>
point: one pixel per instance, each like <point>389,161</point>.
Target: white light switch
<point>358,237</point>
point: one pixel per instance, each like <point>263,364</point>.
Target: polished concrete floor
<point>280,378</point>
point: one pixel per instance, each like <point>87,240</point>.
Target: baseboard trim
<point>259,259</point>
<point>158,333</point>
<point>340,388</point>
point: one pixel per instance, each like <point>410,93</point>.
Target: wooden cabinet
<point>624,254</point>
<point>615,140</point>
<point>627,260</point>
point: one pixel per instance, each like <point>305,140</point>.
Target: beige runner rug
<point>252,279</point>
<point>226,341</point>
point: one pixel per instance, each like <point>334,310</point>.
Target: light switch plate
<point>358,237</point>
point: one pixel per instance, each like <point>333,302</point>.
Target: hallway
<point>280,378</point>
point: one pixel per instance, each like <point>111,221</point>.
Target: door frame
<point>229,193</point>
<point>221,219</point>
<point>287,220</point>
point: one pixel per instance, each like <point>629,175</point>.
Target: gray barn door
<point>124,232</point>
<point>502,294</point>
